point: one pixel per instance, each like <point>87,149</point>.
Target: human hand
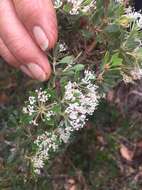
<point>27,29</point>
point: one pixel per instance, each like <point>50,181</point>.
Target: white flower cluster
<point>77,5</point>
<point>38,108</point>
<point>134,16</point>
<point>82,100</point>
<point>64,134</point>
<point>87,8</point>
<point>135,74</point>
<point>89,76</point>
<point>47,142</point>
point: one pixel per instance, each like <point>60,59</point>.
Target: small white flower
<point>42,96</point>
<point>136,73</point>
<point>71,91</point>
<point>89,75</point>
<point>45,143</point>
<point>63,134</point>
<point>32,100</point>
<point>30,109</point>
<point>38,163</point>
<point>33,122</point>
<point>49,114</point>
<point>38,107</point>
<point>78,5</point>
<point>25,110</point>
<point>87,8</point>
<point>57,4</point>
<point>62,47</point>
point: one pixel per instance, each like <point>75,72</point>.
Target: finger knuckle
<point>28,9</point>
<point>17,46</point>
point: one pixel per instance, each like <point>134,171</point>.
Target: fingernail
<point>37,71</point>
<point>25,70</point>
<point>41,37</point>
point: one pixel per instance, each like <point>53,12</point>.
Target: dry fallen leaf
<point>101,140</point>
<point>126,153</point>
<point>3,98</point>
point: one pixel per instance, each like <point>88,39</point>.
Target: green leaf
<point>116,60</point>
<point>132,44</point>
<point>139,54</point>
<point>78,67</point>
<point>105,60</point>
<point>67,8</point>
<point>113,28</point>
<point>87,34</point>
<point>87,2</point>
<point>67,60</point>
<point>106,57</point>
<point>68,73</point>
<point>56,109</point>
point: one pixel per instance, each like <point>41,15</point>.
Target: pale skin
<point>27,29</point>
